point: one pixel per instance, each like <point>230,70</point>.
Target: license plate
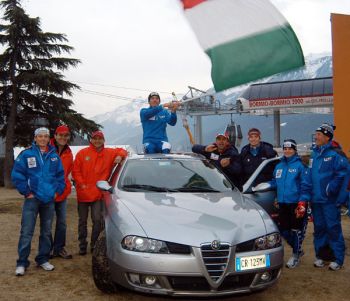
<point>252,262</point>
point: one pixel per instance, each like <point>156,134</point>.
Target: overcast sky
<point>147,45</point>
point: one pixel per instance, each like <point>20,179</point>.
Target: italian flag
<point>245,39</point>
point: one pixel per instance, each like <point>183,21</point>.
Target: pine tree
<point>32,84</point>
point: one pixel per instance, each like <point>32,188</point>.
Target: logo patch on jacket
<point>310,163</point>
<point>214,156</point>
<point>31,162</point>
<point>54,159</point>
<point>152,118</point>
<point>327,159</point>
<point>292,170</point>
<point>279,173</point>
<point>87,158</point>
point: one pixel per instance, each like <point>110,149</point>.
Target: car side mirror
<point>104,186</point>
<point>262,187</point>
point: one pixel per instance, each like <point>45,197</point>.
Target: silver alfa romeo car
<point>175,225</point>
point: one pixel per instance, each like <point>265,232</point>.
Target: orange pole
<point>341,78</point>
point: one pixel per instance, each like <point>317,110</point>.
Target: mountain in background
<point>123,126</point>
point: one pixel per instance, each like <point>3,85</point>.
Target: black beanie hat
<point>153,94</point>
<point>290,143</point>
<point>326,129</point>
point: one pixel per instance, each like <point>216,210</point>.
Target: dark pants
<point>328,230</point>
<point>59,241</point>
<point>292,228</point>
<point>96,217</point>
<point>31,208</point>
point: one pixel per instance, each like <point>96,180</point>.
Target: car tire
<point>100,266</point>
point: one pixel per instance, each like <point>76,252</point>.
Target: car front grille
<point>178,248</point>
<point>234,282</point>
<point>246,246</point>
<point>215,261</point>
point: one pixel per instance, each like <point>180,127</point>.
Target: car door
<point>265,196</point>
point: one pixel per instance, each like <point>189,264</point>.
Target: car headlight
<point>269,241</point>
<point>143,244</point>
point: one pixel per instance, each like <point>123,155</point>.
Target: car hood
<point>195,218</point>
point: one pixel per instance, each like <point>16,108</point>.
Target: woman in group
<point>291,180</point>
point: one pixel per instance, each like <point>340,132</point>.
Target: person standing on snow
<point>38,175</point>
<point>93,163</point>
<point>328,172</point>
<point>60,142</point>
<point>291,179</point>
<point>154,122</point>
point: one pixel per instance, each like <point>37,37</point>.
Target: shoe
<point>63,254</point>
<point>82,252</point>
<point>334,266</point>
<point>293,261</point>
<point>20,271</point>
<point>47,266</point>
<point>318,263</point>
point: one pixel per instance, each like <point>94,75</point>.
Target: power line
<point>106,95</point>
<point>120,87</point>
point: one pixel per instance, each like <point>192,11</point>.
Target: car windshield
<point>172,175</point>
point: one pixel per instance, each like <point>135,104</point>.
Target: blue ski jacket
<point>154,121</point>
<point>39,174</point>
<point>328,172</point>
<point>292,180</point>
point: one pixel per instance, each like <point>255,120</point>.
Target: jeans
<point>96,216</point>
<point>31,208</point>
<point>59,242</point>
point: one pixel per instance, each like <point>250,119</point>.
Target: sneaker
<point>334,266</point>
<point>293,261</point>
<point>20,271</point>
<point>318,263</point>
<point>47,266</point>
<point>63,254</point>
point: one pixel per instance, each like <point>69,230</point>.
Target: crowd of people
<point>42,172</point>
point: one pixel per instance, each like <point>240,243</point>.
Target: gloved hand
<point>301,209</point>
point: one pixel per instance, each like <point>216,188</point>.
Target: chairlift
<point>234,133</point>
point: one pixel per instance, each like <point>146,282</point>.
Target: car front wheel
<point>100,266</point>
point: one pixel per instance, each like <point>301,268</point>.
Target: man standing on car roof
<point>60,142</point>
<point>224,155</point>
<point>38,175</point>
<point>154,121</point>
<point>92,164</point>
<point>253,154</point>
<point>328,172</point>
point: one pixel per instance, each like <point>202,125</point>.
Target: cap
<point>222,135</point>
<point>98,134</point>
<point>254,131</point>
<point>153,94</point>
<point>290,143</point>
<point>326,129</point>
<point>62,129</point>
<point>41,130</point>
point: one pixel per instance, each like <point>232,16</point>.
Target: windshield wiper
<point>142,187</point>
<point>196,189</point>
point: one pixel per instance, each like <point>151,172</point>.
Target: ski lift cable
<point>120,87</point>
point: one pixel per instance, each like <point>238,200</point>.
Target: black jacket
<point>250,163</point>
<point>233,170</point>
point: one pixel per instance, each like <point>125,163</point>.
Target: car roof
<point>166,156</point>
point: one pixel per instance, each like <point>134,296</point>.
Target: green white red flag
<point>245,39</point>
